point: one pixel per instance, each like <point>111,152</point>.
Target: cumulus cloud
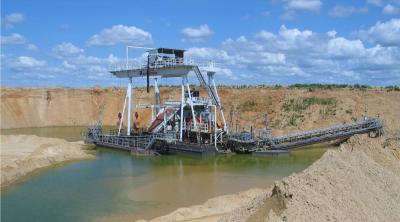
<point>375,2</point>
<point>121,34</point>
<point>292,6</point>
<point>304,5</point>
<point>32,47</point>
<point>344,11</point>
<point>11,20</point>
<point>13,39</point>
<point>23,62</point>
<point>207,54</point>
<point>344,48</point>
<point>66,49</point>
<point>293,55</point>
<point>197,34</point>
<point>18,39</point>
<point>383,33</point>
<point>390,10</point>
<point>70,65</point>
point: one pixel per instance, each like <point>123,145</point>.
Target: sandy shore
<point>23,154</point>
<point>360,181</point>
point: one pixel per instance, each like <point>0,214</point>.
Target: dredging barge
<point>196,125</point>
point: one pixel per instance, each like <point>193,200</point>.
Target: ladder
<point>211,93</point>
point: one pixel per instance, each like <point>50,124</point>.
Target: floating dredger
<point>196,125</point>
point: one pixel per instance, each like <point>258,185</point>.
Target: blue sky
<point>73,43</point>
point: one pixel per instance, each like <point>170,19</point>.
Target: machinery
<point>196,125</point>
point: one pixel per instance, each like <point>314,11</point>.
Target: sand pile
<point>22,154</point>
<point>219,208</point>
<point>360,181</point>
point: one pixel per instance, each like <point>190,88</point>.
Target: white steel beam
<point>123,112</point>
<point>215,126</point>
<point>219,102</point>
<point>129,106</point>
<point>191,102</point>
<point>182,101</point>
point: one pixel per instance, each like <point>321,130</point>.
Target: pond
<point>116,185</point>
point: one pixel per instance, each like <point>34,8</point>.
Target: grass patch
<point>295,108</point>
<point>302,104</point>
<point>392,88</point>
<point>313,86</point>
<point>248,105</point>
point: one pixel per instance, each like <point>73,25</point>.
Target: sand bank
<point>41,107</point>
<point>360,181</point>
<point>22,154</point>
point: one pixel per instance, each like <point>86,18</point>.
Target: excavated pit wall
<point>288,109</point>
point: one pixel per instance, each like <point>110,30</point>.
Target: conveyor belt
<point>342,131</point>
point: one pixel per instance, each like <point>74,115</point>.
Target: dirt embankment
<point>358,182</point>
<point>288,109</point>
<point>23,154</point>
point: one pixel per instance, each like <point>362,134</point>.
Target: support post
<point>165,121</point>
<point>157,95</point>
<point>191,102</point>
<point>129,106</point>
<point>152,113</point>
<point>219,102</point>
<point>182,101</point>
<point>215,126</point>
<point>123,112</point>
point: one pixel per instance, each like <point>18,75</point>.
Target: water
<point>118,186</point>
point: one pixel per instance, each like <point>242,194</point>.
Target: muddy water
<point>118,186</point>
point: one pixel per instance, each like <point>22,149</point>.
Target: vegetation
<point>295,108</point>
<point>329,86</point>
<point>392,88</point>
<point>302,104</point>
<point>310,87</point>
<point>247,105</point>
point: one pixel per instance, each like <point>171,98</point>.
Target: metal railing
<point>323,134</point>
<point>167,62</point>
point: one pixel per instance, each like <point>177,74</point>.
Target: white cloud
<point>288,15</point>
<point>13,39</point>
<point>304,5</point>
<point>10,20</point>
<point>292,6</point>
<point>18,39</point>
<point>384,33</point>
<point>198,34</point>
<point>67,49</point>
<point>263,34</point>
<point>293,55</point>
<point>121,34</point>
<point>331,33</point>
<point>344,48</point>
<point>375,2</point>
<point>293,34</point>
<point>390,10</point>
<point>207,54</point>
<point>32,47</point>
<point>344,11</point>
<point>28,62</point>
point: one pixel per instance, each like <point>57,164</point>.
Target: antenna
<point>134,47</point>
<point>148,62</point>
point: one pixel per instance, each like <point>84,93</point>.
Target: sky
<point>74,43</point>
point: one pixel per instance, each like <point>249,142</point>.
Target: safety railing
<point>165,62</point>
